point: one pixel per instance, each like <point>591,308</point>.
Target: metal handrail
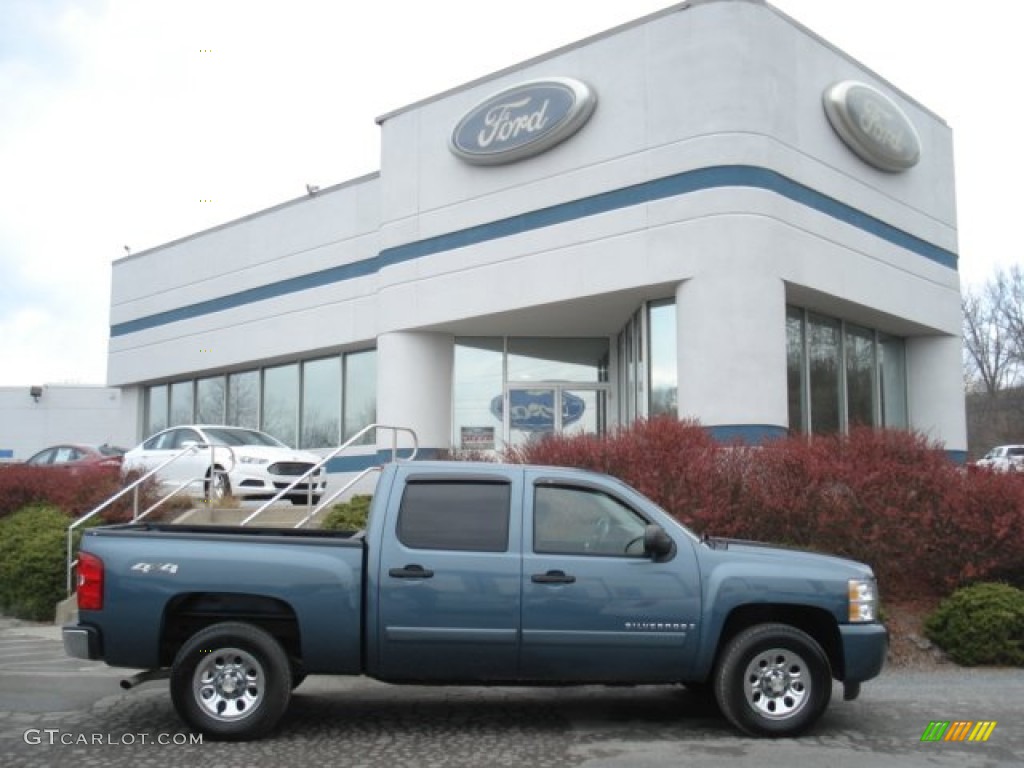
<point>189,449</point>
<point>347,444</point>
<point>330,499</point>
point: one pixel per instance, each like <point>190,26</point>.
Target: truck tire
<point>772,680</point>
<point>231,681</point>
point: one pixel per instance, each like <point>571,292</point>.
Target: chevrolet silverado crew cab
<point>477,574</point>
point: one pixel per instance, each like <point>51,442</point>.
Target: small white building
<point>37,417</point>
<point>710,212</point>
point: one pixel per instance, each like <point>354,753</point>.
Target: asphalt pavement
<point>56,711</point>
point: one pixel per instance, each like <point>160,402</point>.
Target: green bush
<point>981,624</point>
<point>350,515</point>
<point>33,564</point>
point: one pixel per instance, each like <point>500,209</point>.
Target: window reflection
<point>664,376</point>
<point>893,371</point>
<point>181,403</point>
<point>321,403</point>
<point>859,350</point>
<point>540,359</point>
<point>361,393</point>
<point>794,369</point>
<point>210,400</point>
<point>842,375</point>
<point>478,379</point>
<point>156,409</point>
<point>280,403</point>
<point>244,400</point>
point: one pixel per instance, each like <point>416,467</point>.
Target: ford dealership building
<point>710,213</point>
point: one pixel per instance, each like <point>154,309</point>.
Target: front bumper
<point>865,647</point>
<point>82,642</point>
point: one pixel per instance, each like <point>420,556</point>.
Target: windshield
<point>224,436</point>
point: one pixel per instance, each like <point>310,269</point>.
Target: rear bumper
<point>82,642</point>
<point>864,650</point>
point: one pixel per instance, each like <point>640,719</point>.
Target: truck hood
<point>798,559</point>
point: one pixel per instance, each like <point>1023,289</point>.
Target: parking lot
<point>56,711</point>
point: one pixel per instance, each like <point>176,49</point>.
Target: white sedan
<point>245,463</point>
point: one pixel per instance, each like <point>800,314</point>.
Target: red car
<point>77,456</point>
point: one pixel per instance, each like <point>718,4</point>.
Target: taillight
<point>90,582</point>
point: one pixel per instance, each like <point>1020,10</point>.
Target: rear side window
<point>463,516</point>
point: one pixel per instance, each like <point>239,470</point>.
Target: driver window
<point>580,521</point>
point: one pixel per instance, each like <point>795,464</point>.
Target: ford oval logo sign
<point>533,410</point>
<point>523,121</point>
<point>871,124</point>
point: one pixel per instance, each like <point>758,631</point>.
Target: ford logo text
<point>522,121</point>
<point>873,126</point>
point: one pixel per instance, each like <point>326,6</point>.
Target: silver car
<point>245,463</point>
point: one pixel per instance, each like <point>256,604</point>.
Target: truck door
<point>595,608</point>
<point>449,580</point>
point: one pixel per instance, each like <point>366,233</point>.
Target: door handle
<point>411,572</point>
<point>552,577</point>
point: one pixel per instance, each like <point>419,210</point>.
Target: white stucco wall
<point>64,414</point>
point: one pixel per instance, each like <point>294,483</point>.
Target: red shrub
<point>76,493</point>
<point>888,498</point>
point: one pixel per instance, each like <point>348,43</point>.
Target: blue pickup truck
<point>477,574</point>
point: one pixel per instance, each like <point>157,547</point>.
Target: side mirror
<point>189,443</point>
<point>657,543</point>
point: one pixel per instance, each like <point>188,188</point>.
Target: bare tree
<point>987,360</point>
<point>1008,298</point>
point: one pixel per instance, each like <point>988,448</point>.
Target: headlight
<point>253,460</point>
<point>863,596</point>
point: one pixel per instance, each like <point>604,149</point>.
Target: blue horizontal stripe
<point>637,194</point>
<point>6,453</point>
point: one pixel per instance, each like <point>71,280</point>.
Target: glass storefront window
<point>795,389</point>
<point>546,359</point>
<point>859,350</point>
<point>360,393</point>
<point>182,403</point>
<point>321,403</point>
<point>156,409</point>
<point>478,379</point>
<point>823,354</point>
<point>244,399</point>
<point>842,375</point>
<point>281,403</point>
<point>664,376</point>
<point>210,399</point>
<point>892,363</point>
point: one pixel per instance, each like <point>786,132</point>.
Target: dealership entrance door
<point>529,413</point>
<point>511,390</point>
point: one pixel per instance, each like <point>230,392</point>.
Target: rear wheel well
<point>816,622</point>
<point>187,614</point>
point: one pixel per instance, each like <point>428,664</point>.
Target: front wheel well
<point>816,622</point>
<point>187,614</point>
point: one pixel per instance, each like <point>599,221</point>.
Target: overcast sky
<point>118,117</point>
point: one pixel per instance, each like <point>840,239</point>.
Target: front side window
<point>452,515</point>
<point>580,521</point>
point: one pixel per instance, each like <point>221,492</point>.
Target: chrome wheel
<point>778,683</point>
<point>772,680</point>
<point>229,685</point>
